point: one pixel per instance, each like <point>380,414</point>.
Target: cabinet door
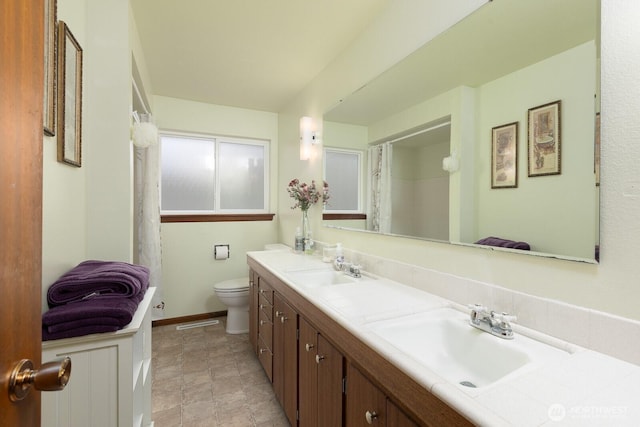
<point>365,403</point>
<point>253,310</point>
<point>397,418</point>
<point>330,383</point>
<point>285,357</point>
<point>307,375</point>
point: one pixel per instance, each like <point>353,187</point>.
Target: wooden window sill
<point>216,217</point>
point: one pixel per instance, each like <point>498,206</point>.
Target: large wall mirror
<point>443,158</point>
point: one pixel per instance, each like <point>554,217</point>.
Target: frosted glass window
<point>242,177</point>
<point>188,174</point>
<point>343,173</point>
<point>208,175</point>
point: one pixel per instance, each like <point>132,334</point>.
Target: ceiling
<point>252,54</point>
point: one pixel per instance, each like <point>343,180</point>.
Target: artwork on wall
<point>49,110</point>
<point>504,156</point>
<point>544,139</point>
<point>69,125</point>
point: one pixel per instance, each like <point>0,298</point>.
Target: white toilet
<point>234,294</point>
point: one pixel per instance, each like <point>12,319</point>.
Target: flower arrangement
<point>307,195</point>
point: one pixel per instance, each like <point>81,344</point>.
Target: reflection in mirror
<point>486,71</point>
<point>343,173</point>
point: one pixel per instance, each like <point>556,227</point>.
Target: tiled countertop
<point>586,388</point>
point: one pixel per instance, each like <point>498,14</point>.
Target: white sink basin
<point>443,341</point>
<point>314,278</point>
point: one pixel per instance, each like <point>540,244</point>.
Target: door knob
<point>371,417</point>
<point>51,376</point>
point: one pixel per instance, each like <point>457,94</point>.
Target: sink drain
<point>468,384</point>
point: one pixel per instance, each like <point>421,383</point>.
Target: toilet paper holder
<point>221,251</point>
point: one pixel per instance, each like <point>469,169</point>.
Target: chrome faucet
<point>498,324</point>
<point>347,268</point>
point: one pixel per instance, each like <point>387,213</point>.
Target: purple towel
<point>88,317</point>
<point>504,243</point>
<point>92,278</point>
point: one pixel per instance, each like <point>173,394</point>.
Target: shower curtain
<point>379,200</point>
<point>147,202</point>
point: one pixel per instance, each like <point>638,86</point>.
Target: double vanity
<point>358,349</point>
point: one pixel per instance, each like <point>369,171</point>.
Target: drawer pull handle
<point>308,347</point>
<point>262,322</point>
<point>262,350</point>
<point>371,416</point>
<point>319,358</point>
<point>262,306</point>
<point>283,319</point>
<point>279,313</point>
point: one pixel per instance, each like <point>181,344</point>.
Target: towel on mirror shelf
<point>503,243</point>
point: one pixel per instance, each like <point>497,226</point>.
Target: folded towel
<point>89,316</point>
<point>504,243</point>
<point>90,279</point>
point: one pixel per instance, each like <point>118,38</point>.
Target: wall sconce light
<point>308,137</point>
<point>451,164</point>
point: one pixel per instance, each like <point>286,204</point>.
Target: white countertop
<point>586,388</point>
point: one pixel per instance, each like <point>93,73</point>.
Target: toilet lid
<point>233,285</point>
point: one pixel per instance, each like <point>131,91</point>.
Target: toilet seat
<point>232,286</point>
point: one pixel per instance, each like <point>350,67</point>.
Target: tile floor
<point>204,377</point>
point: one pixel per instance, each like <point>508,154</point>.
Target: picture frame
<point>544,139</point>
<point>69,117</point>
<point>504,156</point>
<point>49,107</point>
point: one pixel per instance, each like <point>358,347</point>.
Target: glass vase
<point>306,232</point>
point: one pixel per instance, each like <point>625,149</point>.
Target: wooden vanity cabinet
<point>321,379</point>
<point>373,383</point>
<point>285,357</point>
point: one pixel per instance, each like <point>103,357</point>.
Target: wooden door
<point>307,375</point>
<point>365,403</point>
<point>21,137</point>
<point>330,383</point>
<point>285,357</point>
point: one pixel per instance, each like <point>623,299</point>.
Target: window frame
<point>218,214</point>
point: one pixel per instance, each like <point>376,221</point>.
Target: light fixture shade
<point>306,137</point>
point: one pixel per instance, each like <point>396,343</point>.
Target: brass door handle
<point>52,376</point>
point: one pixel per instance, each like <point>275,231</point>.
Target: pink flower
<point>306,195</point>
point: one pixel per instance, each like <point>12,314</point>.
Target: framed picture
<point>504,156</point>
<point>544,140</point>
<point>49,111</point>
<point>69,125</point>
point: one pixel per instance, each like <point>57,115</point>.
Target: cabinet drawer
<point>266,307</point>
<point>265,329</point>
<point>266,358</point>
<point>265,290</point>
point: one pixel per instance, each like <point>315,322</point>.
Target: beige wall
<point>610,286</point>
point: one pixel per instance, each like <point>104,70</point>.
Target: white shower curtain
<point>379,200</point>
<point>147,202</point>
